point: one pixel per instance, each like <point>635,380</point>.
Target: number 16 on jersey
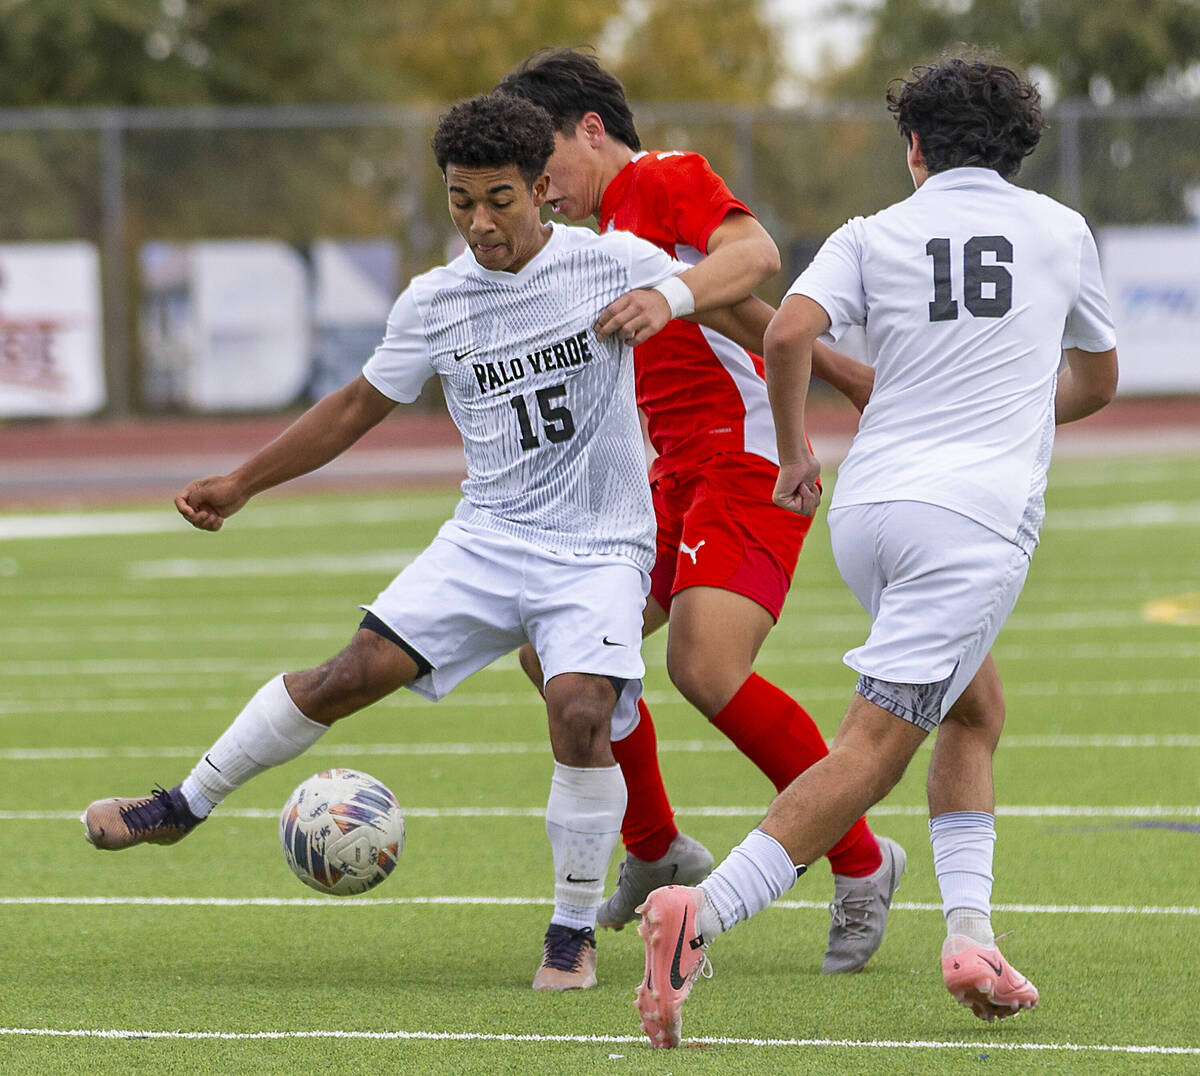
<point>975,274</point>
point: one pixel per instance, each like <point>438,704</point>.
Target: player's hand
<point>798,488</point>
<point>208,502</point>
<point>634,317</point>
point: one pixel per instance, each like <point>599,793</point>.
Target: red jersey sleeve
<point>673,198</point>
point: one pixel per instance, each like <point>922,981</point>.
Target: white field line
<point>403,509</point>
<point>494,700</point>
<point>491,902</point>
<point>57,754</point>
<point>216,568</point>
<point>811,625</point>
<point>880,810</point>
<point>42,668</point>
<point>1144,514</point>
<point>42,708</point>
<point>611,1040</point>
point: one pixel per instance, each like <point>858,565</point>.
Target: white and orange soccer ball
<point>342,832</point>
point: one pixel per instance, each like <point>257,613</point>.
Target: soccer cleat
<point>568,959</point>
<point>686,862</point>
<point>859,912</point>
<point>675,956</point>
<point>160,818</point>
<point>981,979</point>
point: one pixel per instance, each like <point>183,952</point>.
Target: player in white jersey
<point>551,543</point>
<point>972,291</point>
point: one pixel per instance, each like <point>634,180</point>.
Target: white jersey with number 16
<point>969,290</point>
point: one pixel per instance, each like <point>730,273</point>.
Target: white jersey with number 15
<point>546,409</point>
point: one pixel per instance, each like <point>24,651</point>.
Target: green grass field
<point>130,641</point>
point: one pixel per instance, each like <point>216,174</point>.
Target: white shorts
<point>938,586</point>
<point>475,595</point>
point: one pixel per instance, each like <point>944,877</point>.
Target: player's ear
<point>915,155</point>
<point>540,186</point>
<point>591,127</point>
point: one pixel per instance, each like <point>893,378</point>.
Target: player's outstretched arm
<point>1087,384</point>
<point>321,434</point>
<point>787,354</point>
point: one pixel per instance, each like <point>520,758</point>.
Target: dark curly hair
<point>968,113</point>
<point>569,82</point>
<point>493,130</point>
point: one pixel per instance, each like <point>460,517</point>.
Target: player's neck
<point>614,156</point>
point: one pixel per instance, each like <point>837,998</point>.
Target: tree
<point>188,52</point>
<point>702,50</point>
<point>1125,46</point>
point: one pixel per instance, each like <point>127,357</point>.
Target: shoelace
<point>851,913</point>
<point>704,968</point>
<point>153,813</point>
<point>564,948</point>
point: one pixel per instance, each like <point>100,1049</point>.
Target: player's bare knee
<point>707,684</point>
<point>579,709</point>
<point>981,708</point>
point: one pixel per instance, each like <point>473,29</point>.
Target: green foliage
<point>1133,44</point>
<point>190,52</point>
<point>703,50</point>
<point>134,52</point>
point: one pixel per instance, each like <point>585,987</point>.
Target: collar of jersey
<point>614,193</point>
<point>529,268</point>
<point>954,178</point>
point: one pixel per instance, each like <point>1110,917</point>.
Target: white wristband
<point>678,295</point>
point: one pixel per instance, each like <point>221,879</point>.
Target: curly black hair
<point>493,130</point>
<point>569,82</point>
<point>968,113</point>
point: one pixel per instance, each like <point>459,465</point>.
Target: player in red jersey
<point>726,553</point>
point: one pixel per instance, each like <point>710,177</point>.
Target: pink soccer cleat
<point>675,956</point>
<point>982,980</point>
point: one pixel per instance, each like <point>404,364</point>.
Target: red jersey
<point>702,394</point>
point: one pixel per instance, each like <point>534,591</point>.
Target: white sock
<point>270,730</point>
<point>583,822</point>
<point>963,842</point>
<point>756,873</point>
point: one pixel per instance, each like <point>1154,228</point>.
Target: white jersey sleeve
<point>835,279</point>
<point>648,264</point>
<point>1089,324</point>
<point>402,363</point>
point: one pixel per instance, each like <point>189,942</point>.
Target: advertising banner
<point>1153,280</point>
<point>225,325</point>
<point>51,333</point>
<point>355,283</point>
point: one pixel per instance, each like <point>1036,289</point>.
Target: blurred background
<point>208,206</point>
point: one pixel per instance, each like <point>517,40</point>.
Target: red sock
<point>776,733</point>
<point>649,824</point>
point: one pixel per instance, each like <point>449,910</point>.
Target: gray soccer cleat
<point>859,911</point>
<point>687,862</point>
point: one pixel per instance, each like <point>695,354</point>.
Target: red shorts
<point>717,527</point>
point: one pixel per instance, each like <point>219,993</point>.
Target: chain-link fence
<point>125,180</point>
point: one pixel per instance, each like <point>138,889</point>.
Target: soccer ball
<point>342,832</point>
